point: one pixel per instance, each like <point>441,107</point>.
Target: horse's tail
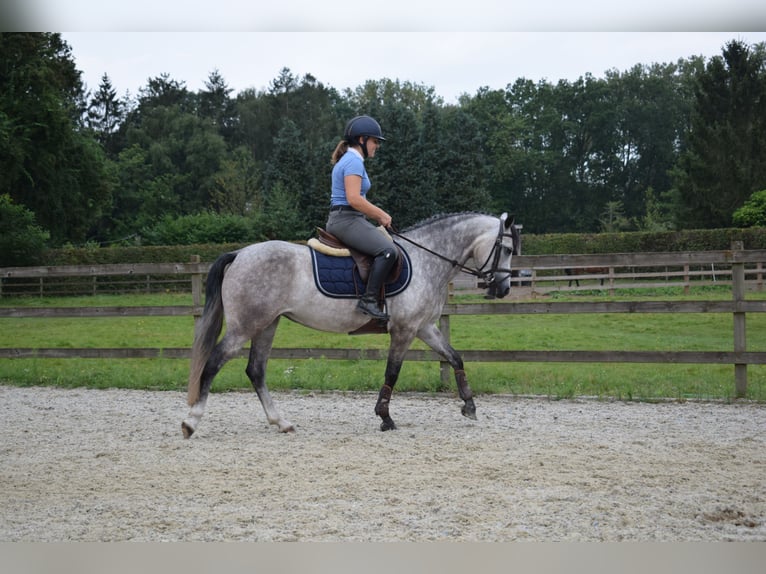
<point>209,325</point>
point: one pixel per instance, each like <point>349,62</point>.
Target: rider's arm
<point>353,185</point>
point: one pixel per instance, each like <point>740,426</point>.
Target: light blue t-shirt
<point>350,164</point>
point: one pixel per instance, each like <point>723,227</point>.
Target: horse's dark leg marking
<point>432,337</point>
<point>384,397</point>
<point>464,390</point>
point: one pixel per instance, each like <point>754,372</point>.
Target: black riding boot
<point>381,267</point>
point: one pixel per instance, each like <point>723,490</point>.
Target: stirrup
<point>370,307</point>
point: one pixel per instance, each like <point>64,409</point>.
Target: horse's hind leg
<point>224,351</point>
<point>260,349</point>
<point>432,337</point>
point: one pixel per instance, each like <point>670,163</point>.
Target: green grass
<point>706,332</point>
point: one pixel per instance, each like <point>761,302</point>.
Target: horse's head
<point>497,256</point>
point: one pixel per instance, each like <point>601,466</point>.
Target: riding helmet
<point>362,126</point>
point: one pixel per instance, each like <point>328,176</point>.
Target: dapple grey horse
<point>256,285</point>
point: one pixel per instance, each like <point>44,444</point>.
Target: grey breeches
<point>353,229</point>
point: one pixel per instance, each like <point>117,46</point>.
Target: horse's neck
<point>454,241</point>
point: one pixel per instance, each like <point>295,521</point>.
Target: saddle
<point>328,244</point>
<point>398,278</point>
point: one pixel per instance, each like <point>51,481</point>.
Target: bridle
<point>488,276</point>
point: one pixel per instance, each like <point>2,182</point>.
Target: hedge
<point>632,242</point>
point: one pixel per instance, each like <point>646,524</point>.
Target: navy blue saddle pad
<point>338,276</point>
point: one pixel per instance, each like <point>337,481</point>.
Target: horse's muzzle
<point>497,294</point>
<point>497,291</point>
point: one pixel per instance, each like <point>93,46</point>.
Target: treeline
<point>661,146</point>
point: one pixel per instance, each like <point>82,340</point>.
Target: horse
<point>253,287</point>
<point>585,271</point>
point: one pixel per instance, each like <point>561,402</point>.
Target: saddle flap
<point>362,260</point>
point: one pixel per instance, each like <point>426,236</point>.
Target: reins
<point>479,271</point>
<point>453,262</point>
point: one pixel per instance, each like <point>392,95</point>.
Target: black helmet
<point>362,126</point>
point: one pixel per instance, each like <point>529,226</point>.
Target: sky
<point>453,63</point>
<point>454,47</point>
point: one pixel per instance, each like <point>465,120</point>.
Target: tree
<point>503,140</point>
<point>537,144</point>
<point>142,195</point>
<point>461,168</point>
<point>650,110</point>
<point>613,218</point>
<point>658,214</point>
<point>281,217</point>
<point>726,157</point>
<point>182,150</point>
<point>237,188</point>
<point>216,105</point>
<point>47,162</point>
<point>395,171</point>
<point>288,182</point>
<point>106,113</point>
<point>164,91</point>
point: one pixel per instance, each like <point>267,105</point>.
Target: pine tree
<point>106,112</point>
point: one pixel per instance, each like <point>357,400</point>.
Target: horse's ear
<point>504,219</point>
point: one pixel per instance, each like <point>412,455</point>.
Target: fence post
<point>196,285</point>
<point>740,333</point>
<point>444,367</point>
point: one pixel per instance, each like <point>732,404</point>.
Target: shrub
<point>204,227</point>
<point>753,213</point>
<point>22,241</point>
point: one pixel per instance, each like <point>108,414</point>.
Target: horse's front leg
<point>384,397</point>
<point>432,337</point>
<point>399,345</point>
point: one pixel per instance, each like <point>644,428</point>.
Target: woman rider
<point>350,208</point>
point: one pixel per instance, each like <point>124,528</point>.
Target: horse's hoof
<point>469,413</point>
<point>187,430</point>
<point>387,424</point>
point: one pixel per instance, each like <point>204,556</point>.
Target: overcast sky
<point>452,63</point>
<point>455,48</point>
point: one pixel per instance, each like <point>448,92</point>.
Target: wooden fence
<point>739,268</point>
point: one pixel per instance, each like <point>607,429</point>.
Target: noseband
<point>489,277</point>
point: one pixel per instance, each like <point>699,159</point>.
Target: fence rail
<point>735,265</point>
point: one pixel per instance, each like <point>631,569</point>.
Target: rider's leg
<point>381,267</point>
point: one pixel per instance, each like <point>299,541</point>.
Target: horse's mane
<point>515,232</point>
<point>440,217</point>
